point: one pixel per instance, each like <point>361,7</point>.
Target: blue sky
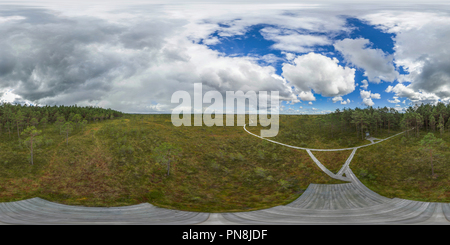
<point>132,57</point>
<point>252,43</point>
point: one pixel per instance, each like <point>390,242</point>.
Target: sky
<point>132,56</point>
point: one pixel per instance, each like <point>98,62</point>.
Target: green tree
<point>60,123</point>
<point>377,119</point>
<point>429,144</point>
<point>18,119</point>
<point>441,125</point>
<point>432,122</point>
<point>419,123</point>
<point>8,127</point>
<point>165,153</point>
<point>448,124</point>
<point>32,140</point>
<point>44,121</point>
<point>83,124</point>
<point>34,122</point>
<point>77,119</point>
<point>356,118</point>
<point>67,128</point>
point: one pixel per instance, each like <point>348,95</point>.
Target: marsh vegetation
<point>128,160</point>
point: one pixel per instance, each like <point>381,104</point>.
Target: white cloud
<point>292,41</point>
<point>10,18</point>
<point>376,64</point>
<point>211,41</point>
<point>389,89</point>
<point>126,66</point>
<point>375,96</point>
<point>402,91</point>
<point>307,96</point>
<point>396,100</point>
<point>321,74</point>
<point>336,99</point>
<point>367,97</point>
<point>421,48</point>
<point>289,56</point>
<point>271,59</point>
<point>365,84</point>
<point>310,103</point>
<point>124,60</point>
<point>345,102</point>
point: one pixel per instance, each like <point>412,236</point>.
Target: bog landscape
<point>219,112</point>
<point>104,158</point>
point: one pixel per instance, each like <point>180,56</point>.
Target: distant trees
<point>25,120</point>
<point>426,117</point>
<point>361,119</point>
<point>18,117</point>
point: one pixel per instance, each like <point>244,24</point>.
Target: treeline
<point>19,117</point>
<point>374,120</point>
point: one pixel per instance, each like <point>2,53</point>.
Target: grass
<point>307,131</point>
<point>332,160</point>
<point>220,169</point>
<point>397,168</point>
<point>111,163</point>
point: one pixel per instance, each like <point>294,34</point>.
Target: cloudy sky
<point>132,56</point>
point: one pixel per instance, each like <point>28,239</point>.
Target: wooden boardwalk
<point>350,203</point>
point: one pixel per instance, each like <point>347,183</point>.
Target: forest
<point>426,116</point>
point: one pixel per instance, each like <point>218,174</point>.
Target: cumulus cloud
<point>421,48</point>
<point>365,84</point>
<point>310,103</point>
<point>127,59</point>
<point>336,99</point>
<point>270,59</point>
<point>376,64</point>
<point>367,97</point>
<point>416,97</point>
<point>395,100</point>
<point>375,96</point>
<point>289,56</point>
<point>125,66</point>
<point>289,40</point>
<point>339,98</point>
<point>321,74</point>
<point>345,102</point>
<point>308,96</point>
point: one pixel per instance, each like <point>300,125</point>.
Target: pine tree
<point>67,128</point>
<point>32,140</point>
<point>432,122</point>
